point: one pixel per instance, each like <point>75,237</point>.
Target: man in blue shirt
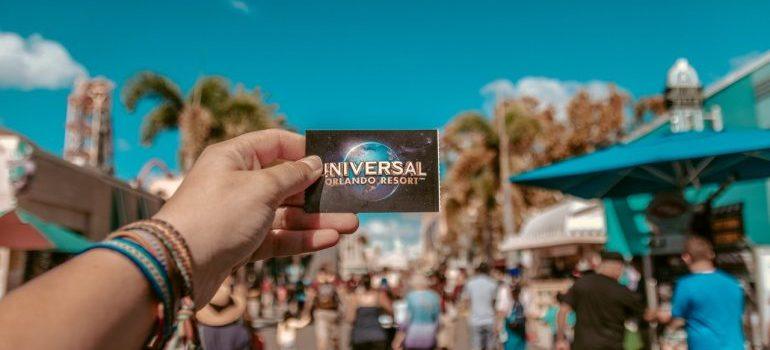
<point>708,302</point>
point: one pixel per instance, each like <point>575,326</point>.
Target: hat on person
<point>224,308</point>
<point>612,256</point>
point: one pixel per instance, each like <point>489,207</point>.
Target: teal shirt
<point>712,306</point>
<point>423,306</point>
<point>551,314</point>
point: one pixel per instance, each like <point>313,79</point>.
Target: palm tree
<point>210,113</point>
<point>472,186</point>
<point>472,155</point>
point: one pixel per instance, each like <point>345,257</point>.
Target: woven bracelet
<point>152,271</point>
<point>176,247</point>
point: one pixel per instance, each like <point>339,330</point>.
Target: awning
<point>666,162</point>
<point>20,230</point>
<point>572,221</point>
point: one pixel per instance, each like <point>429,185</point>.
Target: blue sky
<point>358,64</point>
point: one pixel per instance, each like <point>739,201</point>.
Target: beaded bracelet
<point>152,270</point>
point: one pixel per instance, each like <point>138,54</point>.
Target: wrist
<point>209,269</point>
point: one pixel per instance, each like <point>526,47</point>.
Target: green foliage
<point>211,112</point>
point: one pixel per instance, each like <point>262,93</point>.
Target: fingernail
<point>314,162</point>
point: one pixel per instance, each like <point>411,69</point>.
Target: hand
<point>239,202</point>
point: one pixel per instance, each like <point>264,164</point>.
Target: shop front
<point>699,169</point>
<point>555,244</point>
<point>51,209</point>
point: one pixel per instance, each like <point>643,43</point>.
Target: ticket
<point>374,171</point>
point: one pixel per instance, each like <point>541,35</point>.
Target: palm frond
<point>211,92</point>
<point>162,117</point>
<point>470,129</point>
<point>153,86</point>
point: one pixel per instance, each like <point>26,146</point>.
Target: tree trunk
<point>505,173</point>
<point>488,238</point>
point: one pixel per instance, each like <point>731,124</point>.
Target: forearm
<point>561,322</point>
<point>97,300</point>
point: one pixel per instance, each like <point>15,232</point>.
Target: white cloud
<point>241,6</point>
<point>550,92</point>
<point>386,230</point>
<point>36,62</point>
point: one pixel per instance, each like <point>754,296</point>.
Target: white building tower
<point>88,134</point>
<point>684,100</point>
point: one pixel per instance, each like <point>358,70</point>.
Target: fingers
<point>295,200</point>
<point>288,178</point>
<point>279,243</point>
<point>257,149</point>
<point>291,218</point>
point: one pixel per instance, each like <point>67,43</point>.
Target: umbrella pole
<point>650,288</point>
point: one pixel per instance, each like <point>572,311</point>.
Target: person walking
<point>503,302</point>
<point>364,311</point>
<point>423,306</point>
<point>708,302</point>
<point>480,292</point>
<point>220,322</point>
<point>550,318</point>
<point>515,323</point>
<point>325,301</point>
<point>601,305</point>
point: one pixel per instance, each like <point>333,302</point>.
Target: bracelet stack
<point>162,255</point>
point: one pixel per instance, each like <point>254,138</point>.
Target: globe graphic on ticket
<point>371,152</point>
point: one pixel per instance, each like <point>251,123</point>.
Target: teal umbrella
<point>670,161</point>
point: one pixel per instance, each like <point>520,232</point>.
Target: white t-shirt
<point>481,291</point>
<point>504,301</point>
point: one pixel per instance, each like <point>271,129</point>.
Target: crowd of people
<point>379,310</point>
<point>414,309</point>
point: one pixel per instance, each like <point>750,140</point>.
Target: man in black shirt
<point>602,305</point>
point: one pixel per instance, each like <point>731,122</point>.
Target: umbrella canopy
<point>666,162</point>
<point>21,230</point>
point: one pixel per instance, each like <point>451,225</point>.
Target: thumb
<point>288,178</point>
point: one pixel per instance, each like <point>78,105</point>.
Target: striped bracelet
<point>152,270</point>
<point>148,242</point>
<point>175,245</point>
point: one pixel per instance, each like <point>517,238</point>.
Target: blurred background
<point>105,105</point>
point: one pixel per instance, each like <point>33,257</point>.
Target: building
<point>736,216</point>
<point>88,132</point>
<point>554,243</point>
<point>67,204</point>
<point>51,207</point>
<point>352,255</point>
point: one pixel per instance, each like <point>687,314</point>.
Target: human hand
<point>240,202</point>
